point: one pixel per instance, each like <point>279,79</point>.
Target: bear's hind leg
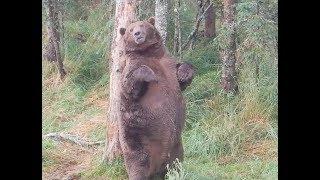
<point>137,164</point>
<point>177,152</point>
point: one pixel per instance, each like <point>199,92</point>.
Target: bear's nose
<point>137,33</point>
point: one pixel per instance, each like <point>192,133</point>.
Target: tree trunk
<point>256,61</point>
<point>228,79</point>
<point>62,13</point>
<point>200,8</point>
<point>209,22</point>
<point>257,69</point>
<point>177,29</point>
<point>161,18</point>
<point>179,37</point>
<point>125,14</point>
<point>54,35</point>
<point>191,38</point>
<point>200,5</point>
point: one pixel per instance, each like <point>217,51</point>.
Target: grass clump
<point>226,136</point>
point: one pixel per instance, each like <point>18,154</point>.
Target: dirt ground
<point>71,159</point>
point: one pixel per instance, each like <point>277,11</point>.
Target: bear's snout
<point>139,38</point>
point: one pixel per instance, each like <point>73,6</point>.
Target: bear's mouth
<point>140,40</point>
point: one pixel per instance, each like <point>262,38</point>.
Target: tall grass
<point>226,136</point>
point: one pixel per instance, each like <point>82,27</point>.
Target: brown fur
<point>153,108</point>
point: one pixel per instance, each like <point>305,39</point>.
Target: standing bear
<point>152,105</point>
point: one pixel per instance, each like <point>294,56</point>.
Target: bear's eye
<point>141,25</point>
<point>131,30</point>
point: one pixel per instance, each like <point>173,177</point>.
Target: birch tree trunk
<point>256,61</point>
<point>229,79</point>
<point>54,35</point>
<point>62,13</point>
<point>125,14</point>
<point>161,10</point>
<point>177,29</point>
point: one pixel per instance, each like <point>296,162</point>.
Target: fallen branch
<point>193,33</point>
<point>72,139</point>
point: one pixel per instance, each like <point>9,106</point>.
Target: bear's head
<point>140,35</point>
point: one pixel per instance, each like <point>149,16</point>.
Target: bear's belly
<point>163,112</point>
<point>159,98</point>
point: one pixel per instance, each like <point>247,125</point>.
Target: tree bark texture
<point>125,14</point>
<point>54,35</point>
<point>177,29</point>
<point>209,22</point>
<point>229,79</point>
<point>161,10</point>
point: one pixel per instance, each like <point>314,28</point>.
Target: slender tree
<point>256,61</point>
<point>177,29</point>
<point>54,35</point>
<point>228,78</point>
<point>161,10</point>
<point>193,35</point>
<point>125,14</point>
<point>210,21</point>
<point>200,8</point>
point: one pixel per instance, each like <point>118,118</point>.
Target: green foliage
<point>113,171</point>
<point>98,133</point>
<point>226,137</point>
<point>176,172</point>
<point>146,10</point>
<point>204,56</point>
<point>206,169</point>
<point>75,10</point>
<point>89,58</point>
<point>187,17</point>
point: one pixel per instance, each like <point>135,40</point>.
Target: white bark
<point>161,18</point>
<point>177,29</point>
<point>124,15</point>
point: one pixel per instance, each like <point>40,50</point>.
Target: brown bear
<point>152,105</point>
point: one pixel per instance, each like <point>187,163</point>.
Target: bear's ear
<point>122,31</point>
<point>151,20</point>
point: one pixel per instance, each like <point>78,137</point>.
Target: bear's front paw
<point>144,74</point>
<point>185,74</point>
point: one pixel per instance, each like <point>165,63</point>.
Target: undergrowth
<point>225,137</point>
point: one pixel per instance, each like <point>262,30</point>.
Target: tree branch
<point>193,33</point>
<point>72,139</point>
